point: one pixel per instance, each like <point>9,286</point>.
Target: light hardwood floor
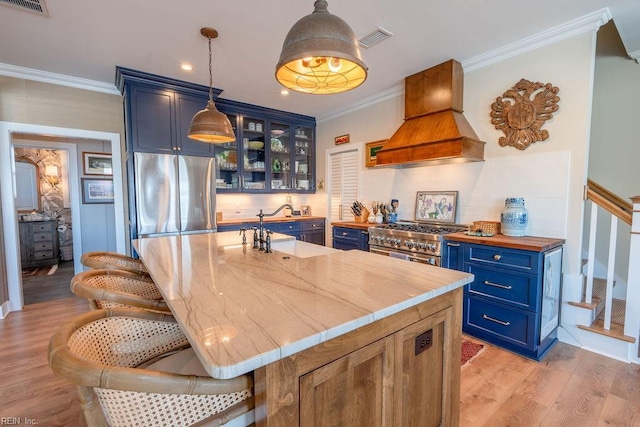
<point>570,387</point>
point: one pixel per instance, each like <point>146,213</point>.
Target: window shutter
<point>343,184</point>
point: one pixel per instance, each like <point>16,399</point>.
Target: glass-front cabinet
<point>268,156</point>
<point>280,156</point>
<point>253,175</point>
<point>303,159</point>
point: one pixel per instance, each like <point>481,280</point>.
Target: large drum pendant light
<point>210,125</point>
<point>320,55</point>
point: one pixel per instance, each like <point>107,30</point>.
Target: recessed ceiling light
<point>284,92</point>
<point>186,67</point>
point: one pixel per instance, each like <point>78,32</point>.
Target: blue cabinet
<point>274,150</point>
<point>160,119</point>
<point>514,299</point>
<point>306,230</point>
<point>347,238</point>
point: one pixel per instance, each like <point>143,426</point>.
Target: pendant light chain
<point>210,73</point>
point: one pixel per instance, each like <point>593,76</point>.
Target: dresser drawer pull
<point>497,285</point>
<point>344,233</point>
<point>497,257</point>
<point>502,322</point>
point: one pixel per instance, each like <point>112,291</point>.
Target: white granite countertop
<point>242,309</point>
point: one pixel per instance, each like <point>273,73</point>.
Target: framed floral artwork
<point>436,206</point>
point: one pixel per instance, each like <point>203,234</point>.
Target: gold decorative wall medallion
<point>522,120</point>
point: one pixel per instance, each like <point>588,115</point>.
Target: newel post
<point>632,321</point>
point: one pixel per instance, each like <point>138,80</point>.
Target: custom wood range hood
<point>434,129</point>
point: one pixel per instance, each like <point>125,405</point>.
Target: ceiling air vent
<point>375,37</point>
<point>34,6</point>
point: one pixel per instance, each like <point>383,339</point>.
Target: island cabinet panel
<point>420,377</point>
<point>402,370</point>
<point>355,390</point>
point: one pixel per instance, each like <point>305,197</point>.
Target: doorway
<point>10,226</point>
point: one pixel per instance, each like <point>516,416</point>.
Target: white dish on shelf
<point>277,132</point>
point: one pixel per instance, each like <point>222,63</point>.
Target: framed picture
<point>97,190</point>
<point>371,150</point>
<point>97,164</point>
<point>436,206</point>
<point>305,210</point>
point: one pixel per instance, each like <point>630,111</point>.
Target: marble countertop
<point>242,309</point>
<point>527,243</point>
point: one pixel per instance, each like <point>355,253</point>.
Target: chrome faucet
<point>261,238</point>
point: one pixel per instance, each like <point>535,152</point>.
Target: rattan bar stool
<point>106,354</point>
<point>108,260</point>
<point>118,288</point>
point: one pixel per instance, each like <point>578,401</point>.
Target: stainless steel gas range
<point>413,241</point>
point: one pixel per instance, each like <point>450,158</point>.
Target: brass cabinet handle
<point>502,322</point>
<point>497,257</point>
<point>497,285</point>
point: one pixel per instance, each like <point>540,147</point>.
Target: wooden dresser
<point>38,243</point>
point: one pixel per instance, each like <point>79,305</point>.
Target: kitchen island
<point>333,337</point>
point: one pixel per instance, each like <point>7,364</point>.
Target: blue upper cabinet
<point>274,150</point>
<point>152,124</point>
<point>186,107</point>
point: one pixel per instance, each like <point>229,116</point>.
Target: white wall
<point>549,175</point>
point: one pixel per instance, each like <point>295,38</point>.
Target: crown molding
<point>582,25</point>
<point>57,79</point>
<point>371,100</point>
<point>635,55</point>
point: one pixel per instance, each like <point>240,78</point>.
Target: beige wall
<point>549,175</point>
<point>25,101</point>
<point>615,144</point>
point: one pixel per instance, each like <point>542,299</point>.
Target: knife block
<point>363,216</point>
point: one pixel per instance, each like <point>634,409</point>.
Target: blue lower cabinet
<point>514,299</point>
<point>310,231</point>
<point>347,238</point>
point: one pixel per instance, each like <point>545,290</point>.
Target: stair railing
<point>619,210</point>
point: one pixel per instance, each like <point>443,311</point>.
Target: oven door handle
<point>408,257</point>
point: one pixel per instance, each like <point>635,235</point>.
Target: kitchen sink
<point>301,249</point>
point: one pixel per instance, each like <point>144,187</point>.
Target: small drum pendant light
<point>320,55</point>
<point>210,125</point>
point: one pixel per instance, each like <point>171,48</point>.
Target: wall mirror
<point>27,185</point>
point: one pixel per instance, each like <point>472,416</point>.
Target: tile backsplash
<point>541,179</point>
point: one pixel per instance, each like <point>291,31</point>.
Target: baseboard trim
<point>4,309</point>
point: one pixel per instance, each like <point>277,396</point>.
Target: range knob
<point>422,245</point>
<point>397,242</point>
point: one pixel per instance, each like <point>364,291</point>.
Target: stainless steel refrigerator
<point>174,194</point>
